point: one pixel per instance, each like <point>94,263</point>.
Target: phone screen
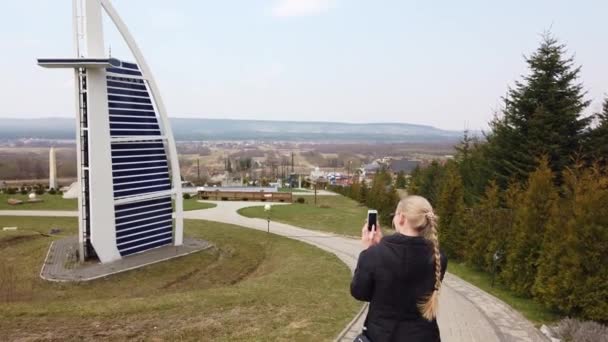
<point>371,220</point>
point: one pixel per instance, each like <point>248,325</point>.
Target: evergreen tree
<point>572,274</point>
<point>363,192</point>
<point>597,144</point>
<point>413,186</point>
<point>426,181</point>
<point>473,166</point>
<point>388,205</point>
<point>485,235</point>
<point>400,182</point>
<point>354,190</point>
<point>377,191</point>
<point>451,210</point>
<point>532,214</point>
<point>542,116</point>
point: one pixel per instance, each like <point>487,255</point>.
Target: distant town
<point>237,163</point>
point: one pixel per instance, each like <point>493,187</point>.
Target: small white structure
<point>72,191</point>
<point>52,169</point>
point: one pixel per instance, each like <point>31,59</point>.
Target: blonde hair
<point>421,217</point>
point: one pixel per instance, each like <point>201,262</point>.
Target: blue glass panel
<point>119,105</point>
<point>148,184</point>
<point>128,65</point>
<point>138,166</point>
<point>128,85</point>
<point>140,210</point>
<point>164,235</point>
<point>143,248</point>
<point>142,171</point>
<point>139,152</point>
<point>133,126</point>
<point>151,213</point>
<point>128,99</point>
<point>120,91</point>
<point>124,71</point>
<point>121,133</point>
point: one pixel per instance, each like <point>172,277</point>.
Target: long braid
<point>430,306</point>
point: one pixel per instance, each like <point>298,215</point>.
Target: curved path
<point>466,312</point>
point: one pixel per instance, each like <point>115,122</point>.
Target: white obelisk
<point>52,169</point>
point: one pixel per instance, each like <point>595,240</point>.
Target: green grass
<point>252,286</point>
<point>532,310</point>
<point>336,214</point>
<point>50,202</point>
<point>56,202</point>
<point>194,204</point>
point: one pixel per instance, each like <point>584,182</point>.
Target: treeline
<point>17,164</point>
<point>530,202</point>
<point>381,195</point>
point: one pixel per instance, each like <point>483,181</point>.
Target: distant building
<point>372,167</point>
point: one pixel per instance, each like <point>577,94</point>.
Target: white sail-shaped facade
<point>128,169</point>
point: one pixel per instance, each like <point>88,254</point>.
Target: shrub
<point>11,191</point>
<point>224,198</point>
<point>52,191</point>
<point>570,329</point>
<point>245,198</point>
<point>23,191</point>
<point>263,200</point>
<point>301,200</point>
<point>39,191</point>
<point>205,197</point>
<point>187,196</point>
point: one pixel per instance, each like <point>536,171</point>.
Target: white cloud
<point>291,8</point>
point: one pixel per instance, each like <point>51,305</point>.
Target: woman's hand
<point>370,237</point>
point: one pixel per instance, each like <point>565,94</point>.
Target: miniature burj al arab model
<point>128,168</point>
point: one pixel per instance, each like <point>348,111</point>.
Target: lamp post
<point>267,208</point>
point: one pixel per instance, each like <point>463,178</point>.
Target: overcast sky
<point>441,63</point>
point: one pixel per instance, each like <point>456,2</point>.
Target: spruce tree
<point>532,214</point>
<point>474,168</point>
<point>597,144</point>
<point>542,116</point>
<point>572,276</point>
<point>363,192</point>
<point>354,190</point>
<point>413,187</point>
<point>451,210</point>
<point>429,182</point>
<point>400,182</point>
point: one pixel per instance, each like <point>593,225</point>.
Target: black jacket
<point>394,276</point>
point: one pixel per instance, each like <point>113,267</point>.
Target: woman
<point>400,275</point>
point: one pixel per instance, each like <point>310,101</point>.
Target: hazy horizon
<point>441,65</point>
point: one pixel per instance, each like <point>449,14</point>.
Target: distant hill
<point>223,129</point>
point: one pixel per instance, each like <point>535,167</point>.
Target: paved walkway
<point>53,213</point>
<point>312,193</point>
<point>466,312</point>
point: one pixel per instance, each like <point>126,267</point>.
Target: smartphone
<point>372,219</point>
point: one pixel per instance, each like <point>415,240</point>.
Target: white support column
<point>52,169</point>
<point>164,119</point>
<point>103,230</point>
<point>76,32</point>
